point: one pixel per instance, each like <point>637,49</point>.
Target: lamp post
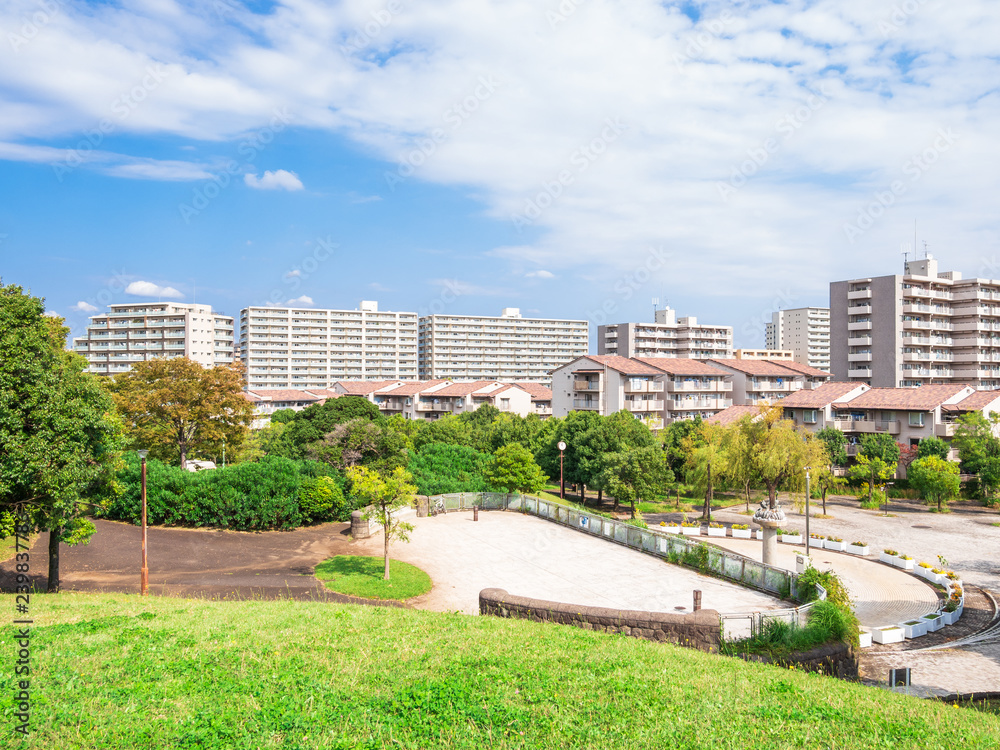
<point>562,483</point>
<point>144,585</point>
<point>807,510</point>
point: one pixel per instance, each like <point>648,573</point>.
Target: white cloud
<point>51,314</point>
<point>540,275</point>
<point>294,273</point>
<point>277,180</point>
<point>149,289</point>
<point>303,301</point>
<point>85,307</point>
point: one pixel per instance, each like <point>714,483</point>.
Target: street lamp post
<point>807,510</point>
<point>144,585</point>
<point>562,481</point>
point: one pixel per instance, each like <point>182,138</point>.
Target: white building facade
<point>287,347</point>
<point>667,336</point>
<point>803,330</point>
<point>135,332</point>
<point>507,348</point>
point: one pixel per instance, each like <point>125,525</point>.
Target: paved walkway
<point>883,595</point>
<point>532,557</point>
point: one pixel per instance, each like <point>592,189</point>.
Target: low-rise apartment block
<point>667,336</point>
<point>134,332</point>
<point>609,384</point>
<point>508,348</point>
<point>287,347</point>
<point>805,331</point>
<point>267,402</point>
<point>433,399</point>
<point>692,389</point>
<point>757,381</point>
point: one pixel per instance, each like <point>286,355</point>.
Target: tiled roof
<point>682,366</point>
<point>364,387</point>
<point>755,367</point>
<point>287,394</point>
<point>924,398</point>
<point>624,365</point>
<point>412,388</point>
<point>538,391</point>
<point>324,393</point>
<point>463,389</point>
<point>809,372</point>
<point>817,398</point>
<point>733,414</point>
<point>976,402</point>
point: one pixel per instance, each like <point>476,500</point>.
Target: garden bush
<point>439,468</point>
<point>273,493</point>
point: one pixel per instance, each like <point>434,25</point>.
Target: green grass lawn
<point>363,576</point>
<point>116,671</point>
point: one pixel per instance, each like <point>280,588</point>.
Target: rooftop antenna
<point>656,302</point>
<point>926,254</point>
<point>904,248</point>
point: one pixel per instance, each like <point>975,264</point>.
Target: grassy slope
<point>112,671</point>
<point>362,576</point>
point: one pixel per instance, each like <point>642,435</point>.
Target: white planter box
<point>864,639</point>
<point>817,543</point>
<point>922,572</point>
<point>758,533</point>
<point>899,562</point>
<point>742,533</point>
<point>670,529</point>
<point>914,628</point>
<point>952,584</point>
<point>888,559</point>
<point>716,532</point>
<point>790,539</point>
<point>888,635</point>
<point>857,549</point>
<point>835,546</point>
<point>691,530</point>
<point>950,618</point>
<point>934,622</point>
<point>938,578</point>
<point>960,610</point>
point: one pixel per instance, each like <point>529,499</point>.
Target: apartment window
<point>916,419</point>
<point>809,416</point>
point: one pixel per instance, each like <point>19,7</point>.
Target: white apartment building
<point>667,336</point>
<point>921,327</point>
<point>434,399</point>
<point>761,381</point>
<point>803,330</point>
<point>608,384</point>
<point>508,348</point>
<point>289,347</point>
<point>693,389</point>
<point>133,332</point>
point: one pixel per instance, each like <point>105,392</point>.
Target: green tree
<point>174,407</point>
<point>384,495</point>
<point>673,437</point>
<point>569,430</point>
<point>979,450</point>
<point>615,433</point>
<point>449,429</point>
<point>836,445</point>
<point>361,442</point>
<point>315,422</point>
<point>935,479</point>
<point>874,471</point>
<point>880,445</point>
<point>439,468</point>
<point>510,428</point>
<point>282,416</point>
<point>513,469</point>
<point>707,461</point>
<point>933,446</point>
<point>636,473</point>
<point>60,438</point>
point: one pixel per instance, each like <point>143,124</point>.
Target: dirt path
<point>195,562</point>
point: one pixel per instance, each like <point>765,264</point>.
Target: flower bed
<point>741,531</point>
<point>887,556</point>
<point>789,537</point>
<point>690,529</point>
<point>858,548</point>
<point>716,529</point>
<point>835,544</point>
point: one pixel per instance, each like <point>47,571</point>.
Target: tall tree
<point>707,461</point>
<point>836,445</point>
<point>359,441</point>
<point>174,407</point>
<point>935,478</point>
<point>615,433</point>
<point>636,474</point>
<point>673,437</point>
<point>933,446</point>
<point>384,495</point>
<point>60,438</point>
<point>569,429</point>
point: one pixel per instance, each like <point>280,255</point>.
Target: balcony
<point>860,294</point>
<point>862,357</point>
<point>644,405</point>
<point>859,310</point>
<point>586,385</point>
<point>867,425</point>
<point>580,403</point>
<point>860,341</point>
<point>859,372</point>
<point>945,430</point>
<point>689,386</point>
<point>643,386</point>
<point>860,326</point>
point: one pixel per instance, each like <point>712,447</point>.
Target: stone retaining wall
<point>833,659</point>
<point>699,630</point>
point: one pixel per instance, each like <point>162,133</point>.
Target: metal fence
<point>739,625</point>
<point>671,547</point>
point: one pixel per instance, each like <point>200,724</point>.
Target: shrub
<point>322,499</point>
<point>638,522</point>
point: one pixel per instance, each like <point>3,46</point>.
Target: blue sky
<point>574,158</point>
